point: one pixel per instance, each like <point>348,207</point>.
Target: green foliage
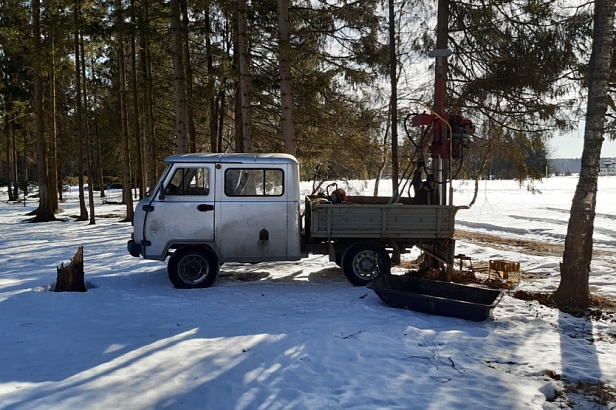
<point>516,66</point>
<point>515,59</point>
<point>513,72</point>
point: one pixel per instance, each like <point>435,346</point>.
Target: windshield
<point>152,188</point>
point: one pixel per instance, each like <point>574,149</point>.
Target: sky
<point>570,145</point>
<point>297,335</point>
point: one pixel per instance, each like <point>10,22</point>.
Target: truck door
<point>183,210</point>
<point>252,220</point>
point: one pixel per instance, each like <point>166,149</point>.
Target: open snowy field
<point>298,335</point>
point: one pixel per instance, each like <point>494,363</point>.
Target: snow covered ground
<point>296,335</point>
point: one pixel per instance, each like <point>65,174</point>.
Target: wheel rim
<point>366,265</point>
<point>193,269</point>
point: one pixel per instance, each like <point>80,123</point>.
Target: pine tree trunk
<point>221,107</point>
<point>190,116</point>
<point>126,177</point>
<point>384,157</point>
<point>139,173</point>
<point>213,115</point>
<point>83,211</point>
<point>179,78</point>
<point>393,102</point>
<point>14,165</point>
<point>237,103</point>
<point>100,178</point>
<point>146,70</point>
<point>244,64</point>
<point>88,140</point>
<point>286,90</point>
<point>44,212</point>
<point>53,153</point>
<point>239,140</point>
<point>573,291</point>
<point>9,156</point>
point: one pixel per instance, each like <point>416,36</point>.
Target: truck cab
<point>208,209</point>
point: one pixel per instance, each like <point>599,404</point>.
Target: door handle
<point>205,207</point>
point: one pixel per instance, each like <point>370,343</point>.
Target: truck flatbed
<point>374,217</point>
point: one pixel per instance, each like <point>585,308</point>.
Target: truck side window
<point>254,182</point>
<point>189,181</point>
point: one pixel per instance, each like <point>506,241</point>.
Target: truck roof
<point>239,158</point>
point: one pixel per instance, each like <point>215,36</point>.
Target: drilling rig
<point>439,147</point>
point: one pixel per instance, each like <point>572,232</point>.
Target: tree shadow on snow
<point>221,347</point>
<point>271,272</point>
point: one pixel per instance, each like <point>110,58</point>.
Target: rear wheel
<point>365,261</point>
<point>190,268</point>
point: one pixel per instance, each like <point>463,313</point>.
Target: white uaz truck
<point>208,209</point>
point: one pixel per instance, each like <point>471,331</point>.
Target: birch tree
<point>573,291</point>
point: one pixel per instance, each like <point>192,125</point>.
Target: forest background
<point>120,85</point>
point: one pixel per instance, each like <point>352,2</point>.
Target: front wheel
<point>190,268</point>
<point>363,262</point>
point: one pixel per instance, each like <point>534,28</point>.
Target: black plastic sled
<point>436,297</point>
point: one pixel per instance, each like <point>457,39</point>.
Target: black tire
<point>191,268</point>
<point>364,261</point>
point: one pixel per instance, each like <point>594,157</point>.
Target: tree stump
<point>70,277</point>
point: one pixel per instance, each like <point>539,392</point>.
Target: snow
<point>294,335</point>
